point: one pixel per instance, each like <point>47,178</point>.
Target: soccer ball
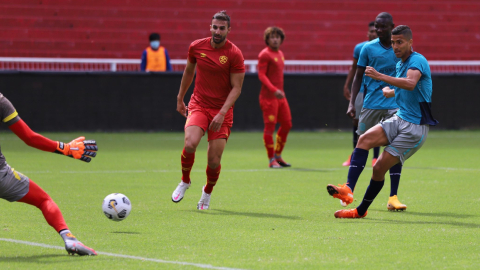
<point>116,206</point>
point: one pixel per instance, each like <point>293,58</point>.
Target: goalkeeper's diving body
<point>16,187</point>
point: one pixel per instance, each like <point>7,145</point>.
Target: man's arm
<point>143,64</point>
<point>187,79</point>
<point>262,76</point>
<point>408,83</point>
<point>357,83</point>
<point>236,79</point>
<point>348,82</point>
<point>78,148</point>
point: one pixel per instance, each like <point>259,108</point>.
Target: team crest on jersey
<point>276,59</point>
<point>223,59</point>
<point>271,118</point>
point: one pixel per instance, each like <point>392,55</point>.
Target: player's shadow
<point>44,258</point>
<point>248,214</point>
<point>453,223</point>
<point>443,214</point>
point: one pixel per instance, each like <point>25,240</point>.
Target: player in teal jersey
<point>371,35</point>
<point>406,132</point>
<point>379,54</point>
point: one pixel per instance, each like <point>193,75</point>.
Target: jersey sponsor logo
<point>203,55</point>
<point>223,59</point>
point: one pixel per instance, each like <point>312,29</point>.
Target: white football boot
<point>204,201</point>
<point>179,192</point>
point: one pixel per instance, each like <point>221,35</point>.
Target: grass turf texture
<point>260,218</point>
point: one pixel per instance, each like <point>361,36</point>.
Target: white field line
<point>245,170</point>
<point>206,266</point>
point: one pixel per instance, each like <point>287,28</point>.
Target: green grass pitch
<point>260,218</point>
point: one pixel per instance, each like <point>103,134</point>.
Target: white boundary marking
<point>207,266</point>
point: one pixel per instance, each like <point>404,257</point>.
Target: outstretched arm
<point>78,148</point>
<point>408,83</point>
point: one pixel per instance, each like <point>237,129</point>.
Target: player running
<point>272,98</point>
<point>403,133</point>
<point>220,74</point>
<point>371,35</point>
<point>16,187</point>
<point>378,54</point>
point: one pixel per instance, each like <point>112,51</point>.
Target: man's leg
<point>269,112</point>
<point>36,196</point>
<point>193,135</point>
<point>282,134</point>
<point>214,153</point>
<point>355,141</point>
<point>285,120</point>
<point>384,163</point>
<point>372,138</point>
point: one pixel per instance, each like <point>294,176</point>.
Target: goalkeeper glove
<point>78,149</point>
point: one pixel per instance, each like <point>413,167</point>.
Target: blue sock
<point>395,173</point>
<point>372,192</point>
<point>376,151</point>
<point>355,137</point>
<point>357,163</point>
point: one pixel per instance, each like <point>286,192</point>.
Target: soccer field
<point>259,218</point>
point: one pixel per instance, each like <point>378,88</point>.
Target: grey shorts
<point>13,185</point>
<point>358,104</point>
<point>370,118</point>
<point>405,138</point>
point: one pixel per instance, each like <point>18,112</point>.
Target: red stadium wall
<point>315,29</point>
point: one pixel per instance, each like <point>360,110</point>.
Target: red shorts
<point>275,110</point>
<point>202,117</point>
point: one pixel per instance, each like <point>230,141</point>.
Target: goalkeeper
<point>16,187</point>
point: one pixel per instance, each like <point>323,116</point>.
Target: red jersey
<point>214,66</point>
<point>270,71</point>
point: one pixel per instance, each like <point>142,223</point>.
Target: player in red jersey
<point>220,73</point>
<point>273,102</point>
<point>16,187</point>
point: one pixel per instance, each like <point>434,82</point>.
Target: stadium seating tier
<point>315,29</point>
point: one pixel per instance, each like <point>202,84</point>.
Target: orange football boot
<point>348,213</point>
<point>342,192</point>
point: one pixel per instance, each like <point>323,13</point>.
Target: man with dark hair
<point>220,73</point>
<point>272,98</point>
<point>371,35</point>
<point>17,187</point>
<point>377,53</point>
<point>405,132</point>
<point>155,58</point>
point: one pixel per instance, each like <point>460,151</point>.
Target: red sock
<point>268,138</point>
<point>212,178</point>
<point>38,197</point>
<point>187,163</point>
<point>282,137</point>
